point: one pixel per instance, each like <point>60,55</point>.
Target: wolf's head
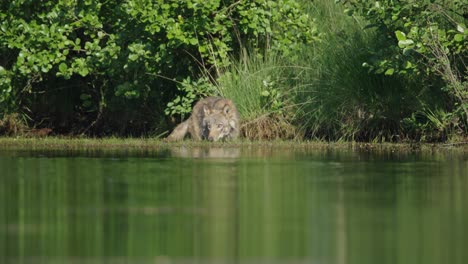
<point>217,123</point>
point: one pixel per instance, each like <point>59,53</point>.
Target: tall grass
<point>247,78</point>
<point>325,92</point>
<point>344,101</point>
<point>259,85</point>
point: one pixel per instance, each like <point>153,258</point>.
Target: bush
<point>76,63</point>
<point>422,41</point>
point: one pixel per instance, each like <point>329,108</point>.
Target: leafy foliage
<point>410,29</point>
<point>126,54</point>
<point>192,90</point>
<point>423,41</point>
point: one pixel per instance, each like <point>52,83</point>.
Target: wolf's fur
<point>212,118</point>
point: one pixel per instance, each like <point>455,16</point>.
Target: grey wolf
<point>212,118</point>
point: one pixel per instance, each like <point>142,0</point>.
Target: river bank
<point>62,143</point>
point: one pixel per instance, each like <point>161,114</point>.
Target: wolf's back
<point>179,131</point>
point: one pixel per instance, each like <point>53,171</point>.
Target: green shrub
<point>422,41</point>
<point>122,59</point>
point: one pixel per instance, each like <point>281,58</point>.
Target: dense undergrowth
<point>330,91</point>
<point>347,71</point>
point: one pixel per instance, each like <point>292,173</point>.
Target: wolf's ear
<point>206,110</point>
<point>226,109</point>
<point>232,123</point>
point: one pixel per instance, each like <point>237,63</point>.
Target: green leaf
<point>83,71</point>
<point>407,51</point>
<point>193,41</point>
<point>408,65</point>
<point>405,43</point>
<point>458,37</point>
<point>461,28</point>
<point>389,71</point>
<point>63,68</point>
<point>133,57</point>
<point>20,59</point>
<point>400,35</point>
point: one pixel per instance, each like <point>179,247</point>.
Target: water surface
<point>244,205</point>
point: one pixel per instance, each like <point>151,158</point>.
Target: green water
<point>247,205</point>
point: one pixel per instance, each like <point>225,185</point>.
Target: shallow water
<point>244,205</point>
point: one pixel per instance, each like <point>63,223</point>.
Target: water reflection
<point>233,206</point>
<point>205,152</point>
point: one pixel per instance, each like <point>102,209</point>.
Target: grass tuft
<point>259,86</point>
<point>13,125</point>
<point>269,128</point>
